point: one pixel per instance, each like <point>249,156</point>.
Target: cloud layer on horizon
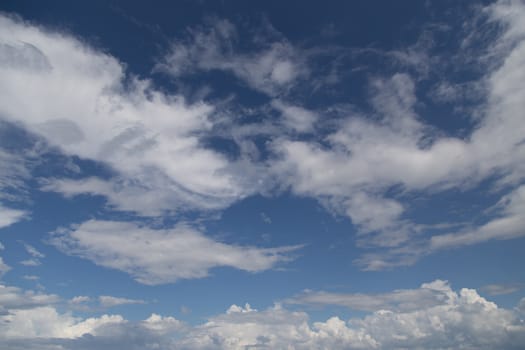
<point>462,317</point>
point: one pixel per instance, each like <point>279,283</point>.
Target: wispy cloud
<point>156,256</point>
<point>110,301</point>
<point>272,67</point>
<point>502,289</point>
<point>428,295</point>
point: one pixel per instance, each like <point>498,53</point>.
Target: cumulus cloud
<point>163,324</point>
<point>29,320</point>
<point>26,314</point>
<point>155,256</point>
<point>245,328</point>
<point>456,319</point>
<point>47,322</point>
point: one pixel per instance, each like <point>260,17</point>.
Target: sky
<point>274,175</point>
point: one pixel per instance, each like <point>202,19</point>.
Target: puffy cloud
<point>28,321</point>
<point>81,103</point>
<point>465,318</point>
<point>163,324</point>
<point>455,320</point>
<point>26,314</point>
<point>244,328</point>
<point>155,256</point>
<point>46,322</point>
<point>461,319</point>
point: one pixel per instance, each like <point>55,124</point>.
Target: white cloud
<point>31,262</point>
<point>455,320</point>
<point>352,169</point>
<point>35,255</point>
<point>521,305</point>
<point>3,267</point>
<point>465,318</point>
<point>13,172</point>
<point>27,314</point>
<point>430,294</point>
<point>155,256</point>
<point>79,299</point>
<point>32,251</point>
<point>510,224</point>
<point>461,319</point>
<point>162,324</point>
<point>158,196</point>
<point>10,216</point>
<point>46,322</point>
<point>110,301</point>
<point>374,214</point>
<point>294,117</point>
<point>502,289</point>
<point>375,155</point>
<point>15,298</point>
<point>150,139</point>
<point>153,141</point>
<point>272,68</point>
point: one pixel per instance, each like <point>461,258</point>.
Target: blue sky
<point>237,175</point>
